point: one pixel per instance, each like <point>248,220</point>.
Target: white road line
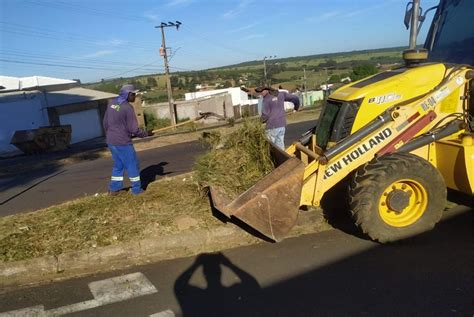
<point>34,311</point>
<point>121,288</point>
<point>165,313</point>
<point>105,292</point>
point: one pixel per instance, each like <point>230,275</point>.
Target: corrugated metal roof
<point>27,83</point>
<point>75,95</point>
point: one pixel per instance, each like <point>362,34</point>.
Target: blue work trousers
<point>277,136</point>
<point>125,158</point>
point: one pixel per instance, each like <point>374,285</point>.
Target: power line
<point>36,32</point>
<point>59,58</point>
<point>67,6</point>
<point>129,71</point>
<point>183,69</point>
<point>222,45</point>
<point>87,43</point>
<point>62,65</point>
<point>28,30</point>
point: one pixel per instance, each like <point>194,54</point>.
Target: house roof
<point>75,95</point>
<point>33,82</point>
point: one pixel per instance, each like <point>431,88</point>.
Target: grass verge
<point>105,220</point>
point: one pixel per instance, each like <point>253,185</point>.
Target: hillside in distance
<point>300,72</point>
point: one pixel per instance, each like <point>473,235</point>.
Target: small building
<point>310,97</point>
<point>345,80</point>
<point>326,86</point>
<point>32,102</point>
<point>239,96</point>
<point>220,104</point>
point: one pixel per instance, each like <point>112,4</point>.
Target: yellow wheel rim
<point>403,203</point>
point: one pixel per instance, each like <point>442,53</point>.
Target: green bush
<point>150,121</point>
<point>153,123</point>
<point>362,71</point>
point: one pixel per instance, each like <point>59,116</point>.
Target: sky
<point>93,40</point>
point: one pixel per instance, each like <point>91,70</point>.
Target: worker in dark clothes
<point>273,114</point>
<point>120,125</point>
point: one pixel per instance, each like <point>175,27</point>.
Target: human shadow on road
<point>149,174</point>
<point>215,299</point>
<point>429,275</point>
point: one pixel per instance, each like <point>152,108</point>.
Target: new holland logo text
<point>358,152</point>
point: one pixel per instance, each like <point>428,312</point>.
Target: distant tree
<point>151,81</point>
<point>190,84</point>
<point>328,63</point>
<point>362,71</point>
<point>137,84</point>
<point>108,87</point>
<point>174,81</point>
<point>334,78</point>
<point>226,84</point>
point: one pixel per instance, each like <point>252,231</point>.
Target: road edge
<point>38,271</point>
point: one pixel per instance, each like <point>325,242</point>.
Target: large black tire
<point>397,196</point>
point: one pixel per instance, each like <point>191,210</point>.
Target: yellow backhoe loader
<point>401,137</point>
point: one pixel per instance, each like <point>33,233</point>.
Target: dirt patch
<point>185,222</point>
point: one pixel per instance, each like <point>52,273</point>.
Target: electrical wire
<point>62,65</point>
<point>67,6</point>
<point>129,71</point>
<point>219,44</point>
<point>58,58</point>
<point>34,32</point>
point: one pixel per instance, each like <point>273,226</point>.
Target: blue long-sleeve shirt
<point>273,110</point>
<point>120,123</point>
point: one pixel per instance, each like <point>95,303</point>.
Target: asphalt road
<point>331,273</point>
<point>29,191</point>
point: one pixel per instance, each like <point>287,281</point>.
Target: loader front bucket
<point>271,205</point>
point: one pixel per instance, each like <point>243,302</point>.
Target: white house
<point>8,83</point>
<point>33,102</point>
<point>239,97</point>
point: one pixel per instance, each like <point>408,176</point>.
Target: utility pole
<point>264,72</point>
<point>163,52</point>
<point>265,68</point>
<point>304,80</point>
<point>326,91</point>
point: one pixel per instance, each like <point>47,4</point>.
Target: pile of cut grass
<point>103,220</point>
<point>235,162</point>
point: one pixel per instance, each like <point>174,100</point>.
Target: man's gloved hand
<point>150,133</point>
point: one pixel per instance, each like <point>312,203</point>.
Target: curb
<point>27,273</point>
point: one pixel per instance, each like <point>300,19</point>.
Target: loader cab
<point>450,38</point>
